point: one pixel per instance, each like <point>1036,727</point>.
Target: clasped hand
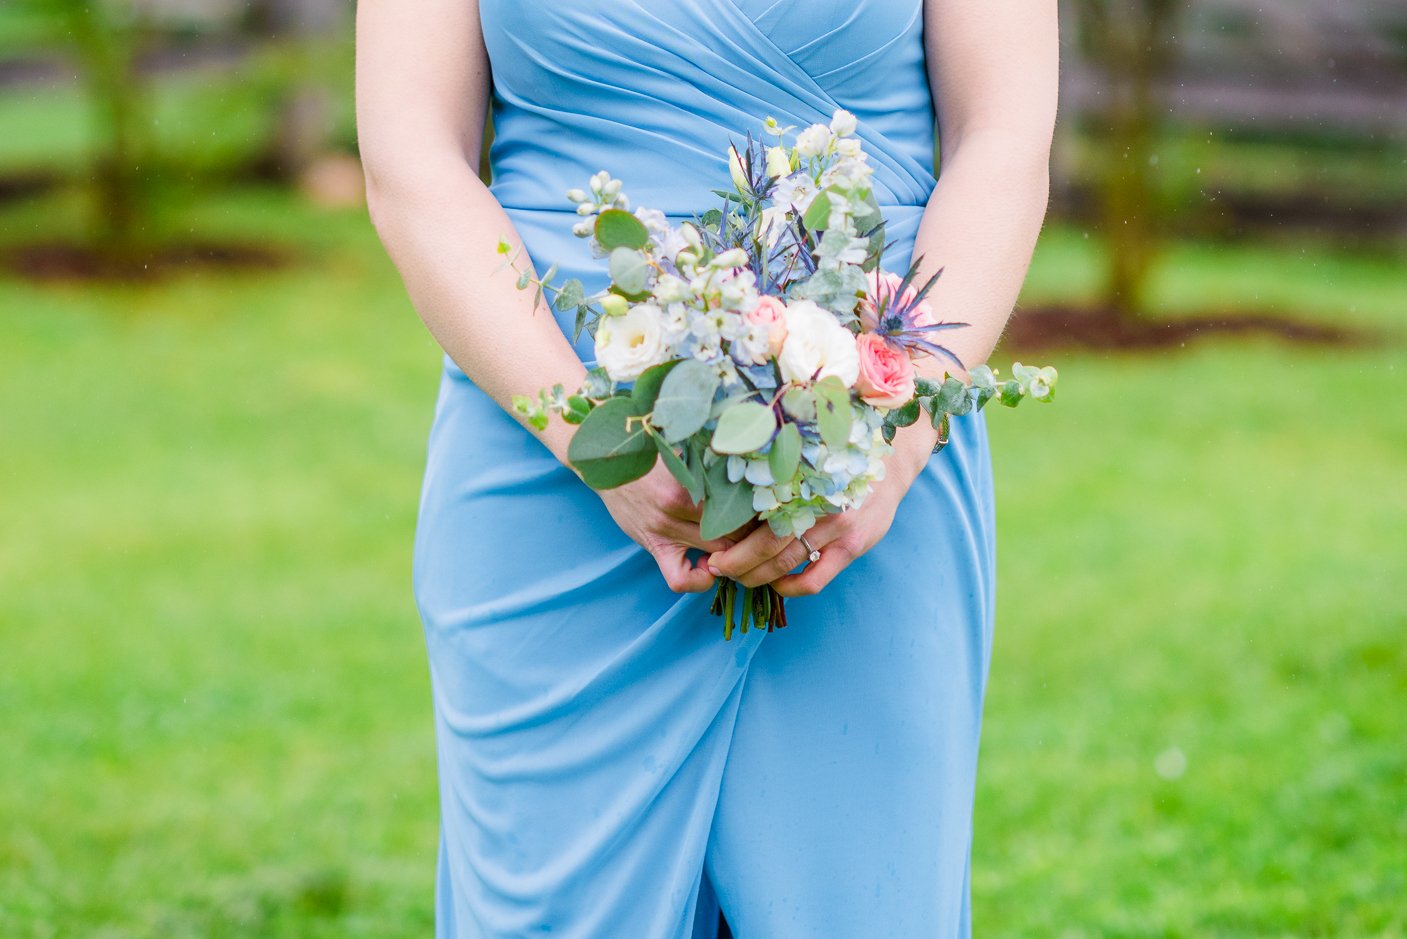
<point>656,512</point>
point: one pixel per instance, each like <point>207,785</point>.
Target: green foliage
<point>727,505</point>
<point>785,454</point>
<point>646,388</point>
<point>685,400</point>
<point>629,271</point>
<point>617,228</point>
<point>611,447</point>
<point>834,415</point>
<point>743,428</point>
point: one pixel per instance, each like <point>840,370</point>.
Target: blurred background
<point>214,707</point>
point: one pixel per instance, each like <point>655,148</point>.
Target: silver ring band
<point>813,554</point>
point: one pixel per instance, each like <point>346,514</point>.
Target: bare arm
<point>994,71</point>
<point>423,87</point>
<point>422,92</point>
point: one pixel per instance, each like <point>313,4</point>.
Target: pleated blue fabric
<point>608,765</point>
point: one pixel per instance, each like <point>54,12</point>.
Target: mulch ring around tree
<point>73,262</point>
<point>1060,327</point>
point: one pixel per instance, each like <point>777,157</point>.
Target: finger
<point>681,575</point>
<point>760,545</point>
<point>825,531</point>
<point>835,557</point>
<point>676,529</point>
<point>792,554</point>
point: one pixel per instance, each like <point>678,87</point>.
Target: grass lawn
<point>216,707</point>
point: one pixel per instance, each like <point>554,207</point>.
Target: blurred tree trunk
<point>1134,45</point>
<point>105,47</point>
<point>306,109</point>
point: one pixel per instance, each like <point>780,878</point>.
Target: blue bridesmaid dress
<point>608,765</point>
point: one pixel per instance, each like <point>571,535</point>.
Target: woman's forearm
<point>441,226</point>
<point>980,226</point>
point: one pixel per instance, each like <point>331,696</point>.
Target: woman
<point>608,766</point>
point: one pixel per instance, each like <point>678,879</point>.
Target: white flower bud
<point>735,257</point>
<point>585,208</point>
<point>613,304</point>
<point>576,195</point>
<point>843,123</point>
<point>778,161</point>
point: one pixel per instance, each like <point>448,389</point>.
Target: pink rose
<point>885,286</point>
<point>770,312</point>
<point>886,373</point>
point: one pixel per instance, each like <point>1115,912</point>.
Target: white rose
<point>628,344</point>
<point>817,346</point>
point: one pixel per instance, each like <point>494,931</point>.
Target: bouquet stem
<point>747,606</point>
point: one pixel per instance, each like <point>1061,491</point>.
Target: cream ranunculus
<point>817,345</point>
<point>628,344</point>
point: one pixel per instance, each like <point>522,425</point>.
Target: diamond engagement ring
<point>815,553</point>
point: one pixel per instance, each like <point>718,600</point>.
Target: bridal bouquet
<point>758,349</point>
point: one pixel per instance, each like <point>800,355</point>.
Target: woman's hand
<point>655,511</point>
<point>762,557</point>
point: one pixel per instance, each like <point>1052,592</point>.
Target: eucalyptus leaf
<point>685,399</point>
<point>834,415</point>
<point>904,415</point>
<point>727,505</point>
<point>617,228</point>
<point>800,404</point>
<point>818,213</point>
<point>611,447</point>
<point>983,377</point>
<point>680,470</point>
<point>785,455</point>
<point>1010,391</point>
<point>925,387</point>
<point>569,295</point>
<point>629,272</point>
<point>576,409</point>
<point>951,395</point>
<point>647,387</point>
<point>725,403</point>
<point>743,428</point>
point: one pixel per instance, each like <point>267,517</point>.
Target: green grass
<point>216,710</point>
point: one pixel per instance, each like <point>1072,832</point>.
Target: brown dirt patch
<point>71,262</point>
<point>1060,327</point>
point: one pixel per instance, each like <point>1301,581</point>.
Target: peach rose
<point>770,312</point>
<point>886,285</point>
<point>886,373</point>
